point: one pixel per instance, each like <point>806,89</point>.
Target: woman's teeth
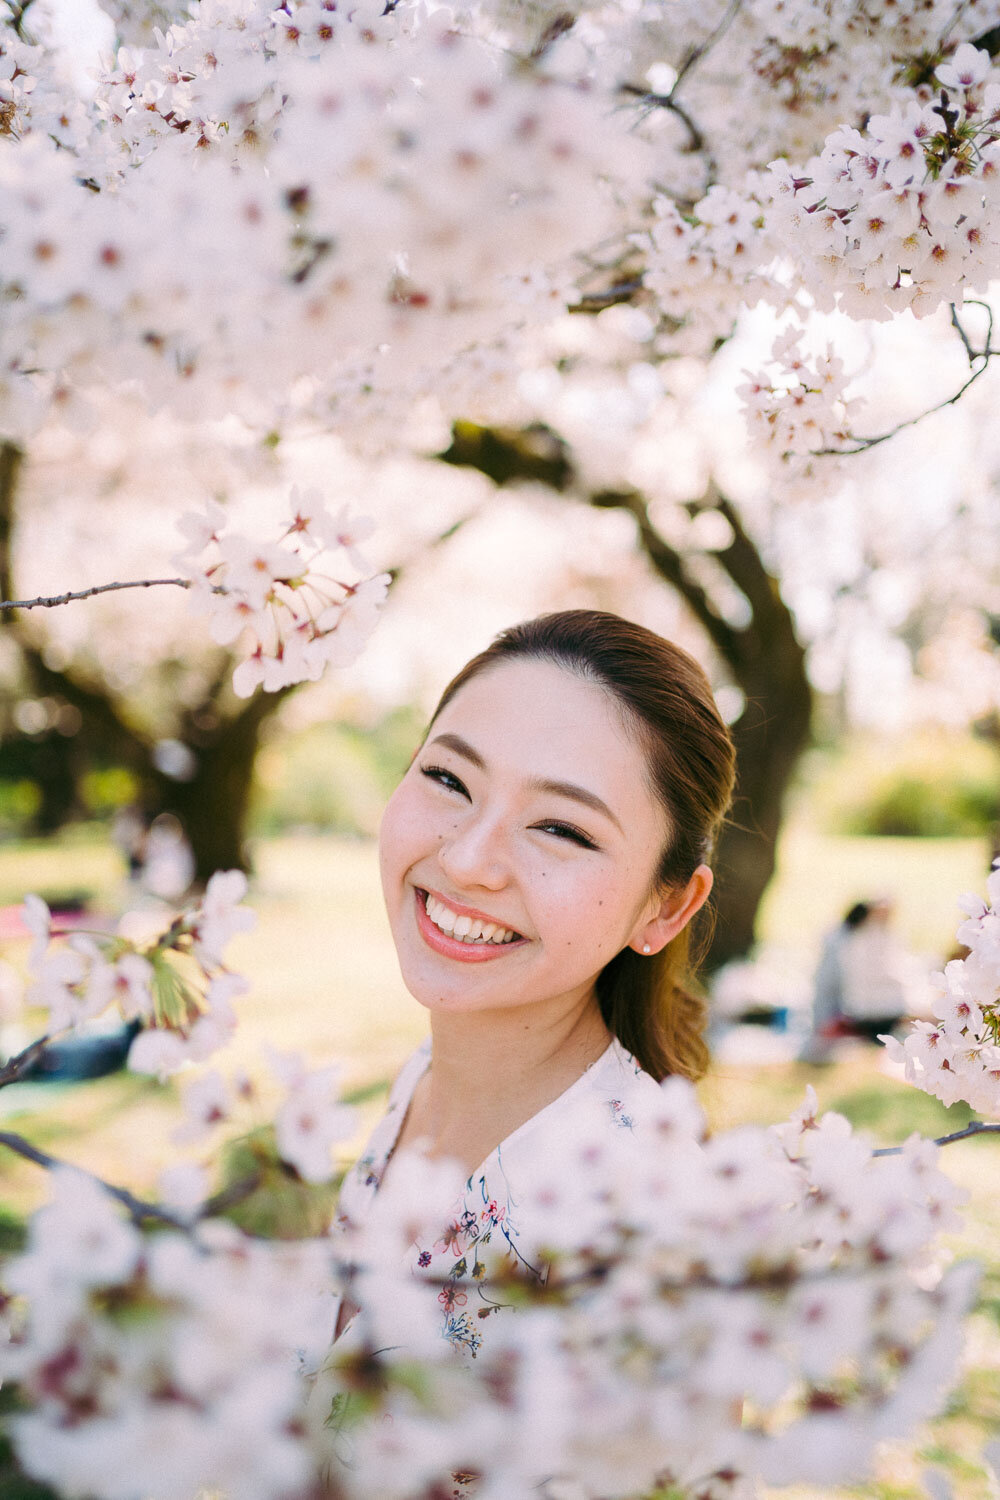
<point>466,929</point>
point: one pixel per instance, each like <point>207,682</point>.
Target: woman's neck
<point>492,1071</point>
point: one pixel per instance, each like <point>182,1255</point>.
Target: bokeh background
<point>850,628</point>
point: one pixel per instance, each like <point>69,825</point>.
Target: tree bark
<point>214,805</point>
<point>764,657</point>
<point>11,458</point>
<point>767,662</point>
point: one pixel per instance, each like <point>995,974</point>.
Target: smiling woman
<point>542,860</point>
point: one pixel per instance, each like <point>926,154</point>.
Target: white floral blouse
<point>488,1230</point>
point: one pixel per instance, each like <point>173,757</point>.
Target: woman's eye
<point>567,831</point>
<point>444,778</point>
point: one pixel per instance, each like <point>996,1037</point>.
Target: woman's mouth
<point>469,939</point>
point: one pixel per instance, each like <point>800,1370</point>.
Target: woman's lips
<point>449,947</point>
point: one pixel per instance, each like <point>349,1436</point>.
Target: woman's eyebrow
<point>461,747</point>
<point>537,784</point>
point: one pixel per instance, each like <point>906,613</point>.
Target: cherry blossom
<point>301,212</point>
<point>321,217</point>
<point>187,1012</point>
<point>207,1103</point>
<point>685,1280</point>
<point>166,1365</point>
<point>220,916</point>
<point>312,1118</point>
<point>297,617</point>
<point>957,1056</point>
<point>38,920</point>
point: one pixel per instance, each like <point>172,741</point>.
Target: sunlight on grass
<point>819,877</point>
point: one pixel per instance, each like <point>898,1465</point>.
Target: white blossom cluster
<point>762,1305</point>
<point>705,264</point>
<point>17,81</point>
<point>759,1305</point>
<point>275,208</point>
<point>339,211</point>
<point>823,64</point>
<point>310,1119</point>
<point>298,618</point>
<point>798,410</point>
<point>162,1365</point>
<point>178,986</point>
<point>906,213</point>
<point>957,1056</point>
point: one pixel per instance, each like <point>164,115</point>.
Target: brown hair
<point>666,701</point>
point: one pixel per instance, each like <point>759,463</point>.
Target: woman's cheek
<point>396,838</point>
<point>581,908</point>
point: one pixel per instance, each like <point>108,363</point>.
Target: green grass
<point>819,876</point>
<point>82,860</point>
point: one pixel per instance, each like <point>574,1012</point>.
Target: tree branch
<point>230,1196</point>
<point>986,353</point>
<point>669,100</point>
<point>15,1067</point>
<point>974,1127</point>
<point>696,139</point>
<point>696,54</point>
<point>742,561</point>
<point>671,566</point>
<point>139,1210</point>
<point>511,456</point>
<point>612,296</point>
<point>99,588</point>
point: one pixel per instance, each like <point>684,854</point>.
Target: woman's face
<point>526,812</point>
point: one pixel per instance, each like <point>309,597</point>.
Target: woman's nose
<point>475,854</point>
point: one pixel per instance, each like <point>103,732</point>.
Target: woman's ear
<point>673,913</point>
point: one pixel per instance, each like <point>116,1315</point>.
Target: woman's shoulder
<point>620,1088</point>
<point>615,1094</point>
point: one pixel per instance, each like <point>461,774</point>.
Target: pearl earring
<point>645,948</point>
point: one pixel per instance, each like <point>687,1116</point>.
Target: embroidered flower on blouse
<point>618,1115</point>
<point>451,1240</point>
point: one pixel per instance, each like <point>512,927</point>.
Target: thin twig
<point>956,16</point>
<point>15,1067</point>
<point>229,1197</point>
<point>612,296</point>
<point>972,356</point>
<point>985,354</point>
<point>975,1127</point>
<point>138,1209</point>
<point>696,140</point>
<point>697,53</point>
<point>99,588</point>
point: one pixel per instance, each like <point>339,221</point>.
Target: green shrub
<point>19,803</point>
<point>913,808</point>
<point>929,786</point>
